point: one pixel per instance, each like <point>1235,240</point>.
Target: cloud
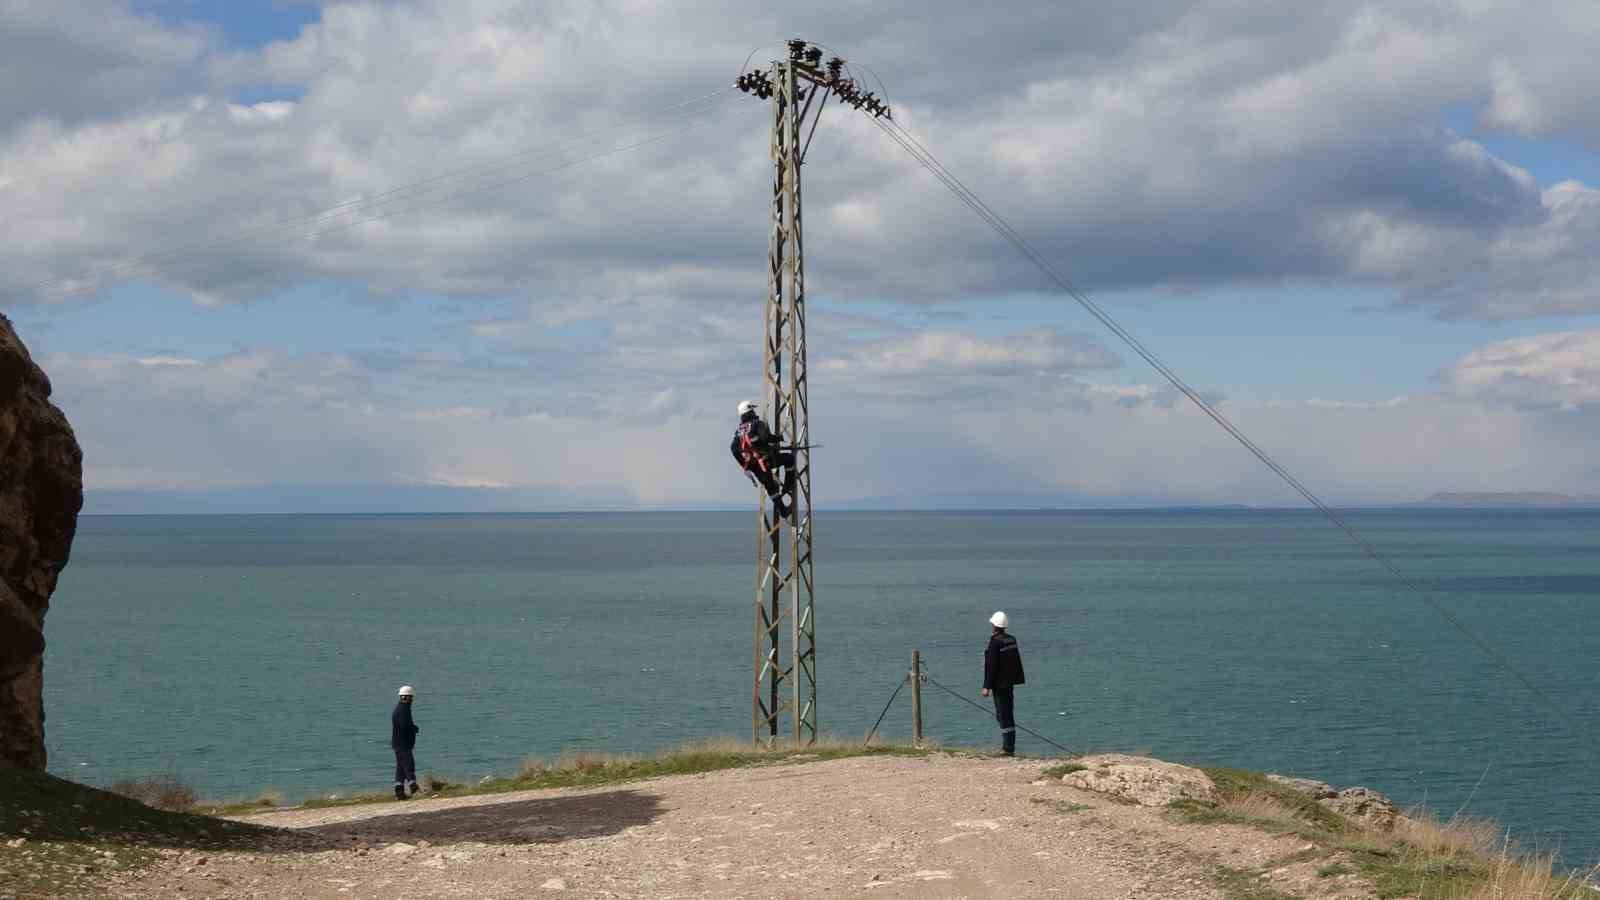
<point>607,296</point>
<point>1541,90</point>
<point>1184,145</point>
<point>1543,371</point>
<point>1511,415</point>
<point>941,354</point>
<point>73,61</point>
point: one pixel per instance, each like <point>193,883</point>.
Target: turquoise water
<point>252,651</point>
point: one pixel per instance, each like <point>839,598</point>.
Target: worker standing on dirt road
<point>1002,671</point>
<point>403,739</point>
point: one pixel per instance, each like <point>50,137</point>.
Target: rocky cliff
<point>41,491</point>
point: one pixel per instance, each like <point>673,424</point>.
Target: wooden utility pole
<point>798,88</point>
<point>916,698</point>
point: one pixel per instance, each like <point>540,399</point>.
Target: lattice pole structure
<point>785,587</point>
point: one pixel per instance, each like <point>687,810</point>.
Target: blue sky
<point>1371,231</point>
<point>242,24</point>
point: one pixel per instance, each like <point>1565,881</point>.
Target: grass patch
<point>1246,884</point>
<point>1252,813</point>
<point>590,769</point>
<point>1412,873</point>
<point>55,836</point>
<point>1235,784</point>
<point>1060,769</point>
<point>166,792</point>
<point>266,801</point>
<point>1423,857</point>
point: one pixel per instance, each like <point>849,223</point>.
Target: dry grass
<point>1258,806</point>
<point>1422,857</point>
<point>1466,858</point>
<point>167,792</point>
<point>1459,835</point>
<point>1534,878</point>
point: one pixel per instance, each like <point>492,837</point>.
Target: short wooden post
<point>916,698</point>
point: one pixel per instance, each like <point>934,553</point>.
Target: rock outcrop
<point>1366,806</point>
<point>41,491</point>
<point>1363,805</point>
<point>1141,780</point>
<point>1316,790</point>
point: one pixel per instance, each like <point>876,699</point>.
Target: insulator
<point>814,55</point>
<point>835,67</point>
<point>797,49</point>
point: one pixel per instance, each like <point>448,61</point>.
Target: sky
<point>444,255</point>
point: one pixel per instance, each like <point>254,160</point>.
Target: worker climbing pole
<point>798,87</point>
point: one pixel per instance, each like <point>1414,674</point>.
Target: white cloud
<point>1560,370</point>
<point>1161,145</point>
<point>1179,145</point>
<point>1512,415</point>
<point>943,354</point>
<point>79,60</point>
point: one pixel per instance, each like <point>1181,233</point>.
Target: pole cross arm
<point>805,60</point>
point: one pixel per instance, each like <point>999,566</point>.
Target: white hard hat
<point>999,620</point>
<point>406,691</point>
<point>746,406</point>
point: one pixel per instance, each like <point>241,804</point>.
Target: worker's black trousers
<point>1004,712</point>
<point>405,767</point>
<point>769,483</point>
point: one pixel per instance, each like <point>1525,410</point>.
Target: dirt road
<point>883,827</point>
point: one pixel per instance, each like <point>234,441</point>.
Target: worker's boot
<point>399,792</point>
<point>413,788</point>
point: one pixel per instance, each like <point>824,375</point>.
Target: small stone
<point>16,843</point>
<point>554,884</point>
<point>399,848</point>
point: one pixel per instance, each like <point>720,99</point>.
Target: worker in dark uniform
<point>1002,671</point>
<point>403,740</point>
<point>760,454</point>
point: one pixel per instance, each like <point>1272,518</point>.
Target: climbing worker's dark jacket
<point>1002,663</point>
<point>754,445</point>
<point>403,734</point>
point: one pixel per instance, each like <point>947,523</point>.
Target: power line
<point>925,157</point>
<point>990,713</point>
<point>904,680</point>
<point>447,182</point>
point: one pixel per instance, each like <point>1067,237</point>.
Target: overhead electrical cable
<point>436,189</point>
<point>967,196</point>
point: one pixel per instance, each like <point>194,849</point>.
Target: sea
<point>242,653</point>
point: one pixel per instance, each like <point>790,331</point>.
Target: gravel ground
<point>886,827</point>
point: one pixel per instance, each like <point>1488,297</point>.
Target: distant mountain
<point>1509,498</point>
